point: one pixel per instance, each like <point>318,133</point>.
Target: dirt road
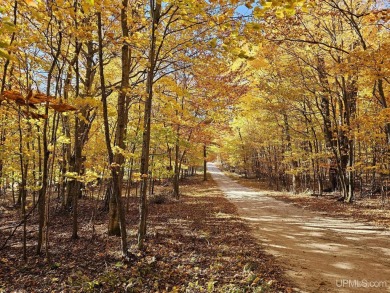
<point>320,253</point>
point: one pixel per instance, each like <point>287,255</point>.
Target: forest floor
<point>195,244</point>
<point>321,251</point>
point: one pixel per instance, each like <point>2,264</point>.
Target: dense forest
<point>103,102</point>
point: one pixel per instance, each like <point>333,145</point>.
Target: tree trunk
<point>45,164</point>
<point>294,163</point>
<point>384,104</point>
<point>155,8</point>
<point>176,169</point>
<point>350,95</point>
<point>3,87</point>
<point>81,132</point>
<point>23,184</point>
<point>204,162</point>
<point>117,160</point>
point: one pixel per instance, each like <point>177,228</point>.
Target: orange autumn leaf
<point>17,97</point>
<point>33,99</point>
<point>34,115</point>
<point>38,98</point>
<point>14,96</point>
<point>62,107</point>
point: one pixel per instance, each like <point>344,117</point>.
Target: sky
<point>243,10</point>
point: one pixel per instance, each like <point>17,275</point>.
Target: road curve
<point>320,253</point>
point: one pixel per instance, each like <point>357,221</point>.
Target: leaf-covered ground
<point>196,244</point>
